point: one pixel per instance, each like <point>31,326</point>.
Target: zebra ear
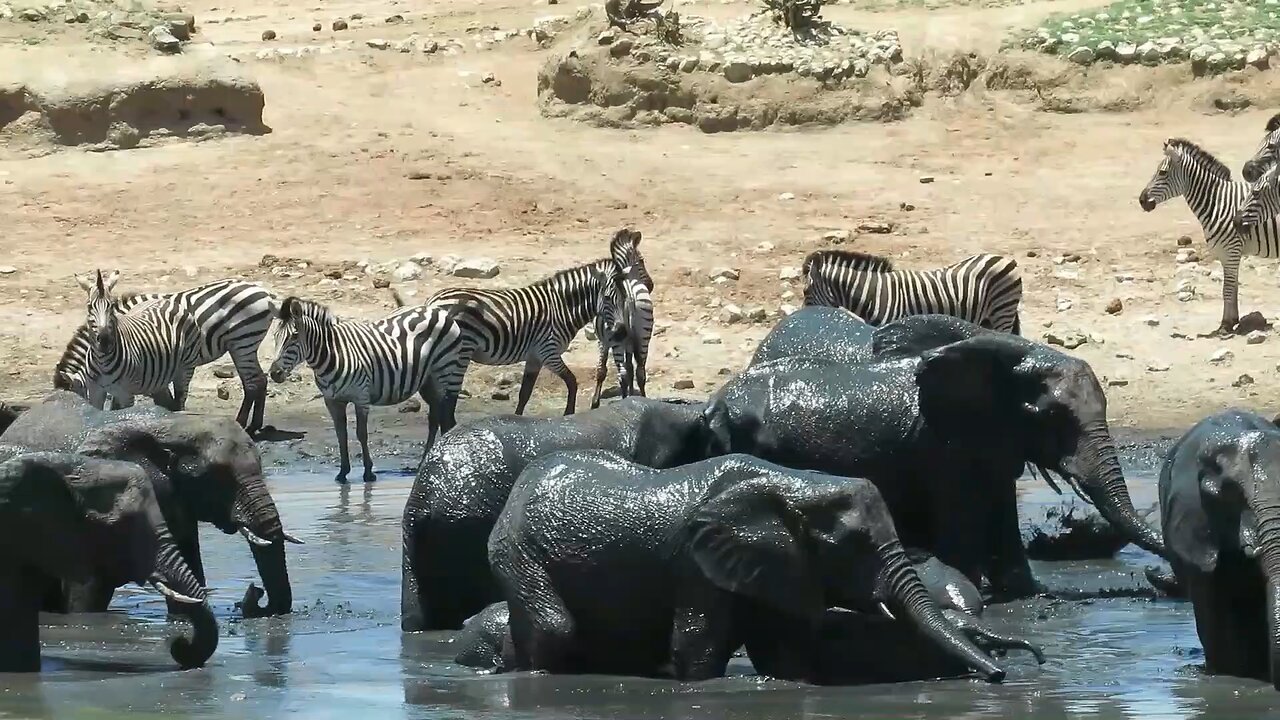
<point>1274,123</point>
<point>110,282</point>
<point>286,309</point>
<point>635,238</point>
<point>85,283</point>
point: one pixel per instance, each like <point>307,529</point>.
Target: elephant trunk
<point>905,589</point>
<point>1096,467</point>
<point>256,516</point>
<point>174,578</point>
<point>195,651</point>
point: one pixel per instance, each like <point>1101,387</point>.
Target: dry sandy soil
<point>333,183</point>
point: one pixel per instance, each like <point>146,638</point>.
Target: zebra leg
<point>602,367</point>
<point>532,367</point>
<point>164,399</point>
<point>338,413</point>
<point>555,364</point>
<point>1230,293</point>
<point>181,385</point>
<point>362,434</point>
<point>254,384</point>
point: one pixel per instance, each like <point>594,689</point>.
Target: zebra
<point>624,248</point>
<point>1205,182</point>
<point>1262,202</point>
<point>379,362</point>
<point>536,323</point>
<point>1264,158</point>
<point>630,354</point>
<point>141,352</point>
<point>983,289</point>
<point>231,316</point>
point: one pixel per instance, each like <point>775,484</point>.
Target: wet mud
<point>341,653</point>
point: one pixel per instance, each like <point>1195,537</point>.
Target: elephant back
<point>815,331</point>
<point>59,422</point>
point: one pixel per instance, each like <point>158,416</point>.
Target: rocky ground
<point>408,149</point>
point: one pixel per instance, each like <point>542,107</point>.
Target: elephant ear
<point>746,540</point>
<point>916,334</point>
<point>970,387</point>
<point>126,441</point>
<point>1184,519</point>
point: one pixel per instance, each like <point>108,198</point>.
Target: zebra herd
<point>143,343</point>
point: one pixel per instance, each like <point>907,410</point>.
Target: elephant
<point>463,482</point>
<point>1219,507</point>
<point>74,517</point>
<point>484,639</point>
<point>203,469</point>
<point>944,433</point>
<point>1071,530</point>
<point>612,567</point>
<point>817,331</point>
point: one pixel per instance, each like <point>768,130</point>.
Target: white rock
<point>1158,367</point>
<point>407,271</point>
<point>1148,52</point>
<point>730,314</point>
<point>1186,255</point>
<point>7,269</point>
<point>483,268</point>
<point>1126,52</point>
<point>725,273</point>
<point>765,247</point>
<point>789,274</point>
<point>787,308</point>
<point>163,40</point>
<point>1064,304</point>
<point>710,339</point>
<point>1222,356</point>
<point>377,43</point>
<point>787,196</point>
<point>1256,337</point>
<point>1151,321</point>
<point>1081,55</point>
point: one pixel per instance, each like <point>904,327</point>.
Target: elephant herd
<point>841,510</point>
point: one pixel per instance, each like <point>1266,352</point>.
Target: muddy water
<point>342,655</point>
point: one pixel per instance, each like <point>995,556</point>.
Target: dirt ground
<point>379,156</point>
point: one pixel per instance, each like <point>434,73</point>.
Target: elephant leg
<point>1009,570</point>
<point>532,367</point>
<point>92,595</point>
<point>20,607</point>
<point>702,632</point>
<point>958,537</point>
<point>362,434</point>
<point>338,413</point>
<point>1229,613</point>
<point>542,627</point>
<point>413,614</point>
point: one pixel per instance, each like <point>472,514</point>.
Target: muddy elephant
<point>944,433</point>
<point>612,567</point>
<point>204,469</point>
<point>1220,508</point>
<point>817,331</point>
<point>68,516</point>
<point>463,482</point>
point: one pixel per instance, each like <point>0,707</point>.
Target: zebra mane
<point>1274,123</point>
<point>294,307</point>
<point>590,268</point>
<point>1202,157</point>
<point>858,261</point>
<point>73,357</point>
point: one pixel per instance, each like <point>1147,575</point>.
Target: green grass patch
<point>1221,32</point>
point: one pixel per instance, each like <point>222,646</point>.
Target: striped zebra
<point>1264,158</point>
<point>983,289</point>
<point>230,316</point>
<point>378,362</point>
<point>140,352</point>
<point>1262,202</point>
<point>536,323</point>
<point>631,352</point>
<point>624,248</point>
<point>1190,171</point>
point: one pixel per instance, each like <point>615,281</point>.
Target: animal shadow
<point>270,433</point>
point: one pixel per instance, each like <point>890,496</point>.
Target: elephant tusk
<point>253,539</point>
<point>291,538</point>
<point>170,593</point>
<point>884,609</point>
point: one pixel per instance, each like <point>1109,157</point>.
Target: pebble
<point>789,274</point>
<point>765,247</point>
<point>1184,241</point>
<point>163,40</point>
<point>481,268</point>
<point>268,35</point>
<point>223,393</point>
<point>500,395</point>
<point>1187,255</point>
<point>317,27</point>
<point>787,196</point>
<point>710,339</point>
<point>837,237</point>
<point>412,405</point>
<point>1222,356</point>
<point>736,72</point>
<point>381,283</point>
<point>394,19</point>
<point>7,269</point>
<point>340,25</point>
<point>683,385</point>
<point>1115,307</point>
<point>757,313</point>
<point>926,179</point>
<point>224,372</point>
<point>1151,321</point>
<point>1256,337</point>
<point>407,271</point>
<point>724,273</point>
<point>1158,367</point>
<point>730,314</point>
<point>876,228</point>
<point>378,43</point>
<point>1243,380</point>
<point>787,308</point>
<point>1069,339</point>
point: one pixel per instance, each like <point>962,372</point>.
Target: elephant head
<point>1220,505</point>
<point>671,432</point>
<point>75,518</point>
<point>1044,407</point>
<point>215,468</point>
<point>800,547</point>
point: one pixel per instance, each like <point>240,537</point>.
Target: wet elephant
<point>204,469</point>
<point>465,477</point>
<point>72,517</point>
<point>816,331</point>
<point>944,433</point>
<point>1220,508</point>
<point>612,567</point>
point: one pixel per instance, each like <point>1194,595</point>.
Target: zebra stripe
<point>630,355</point>
<point>624,248</point>
<point>366,363</point>
<point>230,317</point>
<point>1190,171</point>
<point>983,289</point>
<point>536,323</point>
<point>1264,158</point>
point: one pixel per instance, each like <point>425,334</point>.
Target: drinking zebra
<point>983,289</point>
<point>535,323</point>
<point>229,316</point>
<point>1268,150</point>
<point>378,362</point>
<point>1190,171</point>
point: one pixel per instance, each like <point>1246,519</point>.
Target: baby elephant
<point>1220,513</point>
<point>611,567</point>
<point>845,654</point>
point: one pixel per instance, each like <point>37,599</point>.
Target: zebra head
<point>1265,157</point>
<point>624,248</point>
<point>611,296</point>
<point>301,321</point>
<point>1263,202</point>
<point>101,309</point>
<point>1183,165</point>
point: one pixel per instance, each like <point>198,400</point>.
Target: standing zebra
<point>381,362</point>
<point>535,323</point>
<point>630,354</point>
<point>1190,171</point>
<point>230,317</point>
<point>1264,158</point>
<point>1262,203</point>
<point>142,352</point>
<point>983,289</point>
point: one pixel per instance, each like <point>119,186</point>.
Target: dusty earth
<point>378,155</point>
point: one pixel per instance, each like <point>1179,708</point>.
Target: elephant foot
<point>248,606</point>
